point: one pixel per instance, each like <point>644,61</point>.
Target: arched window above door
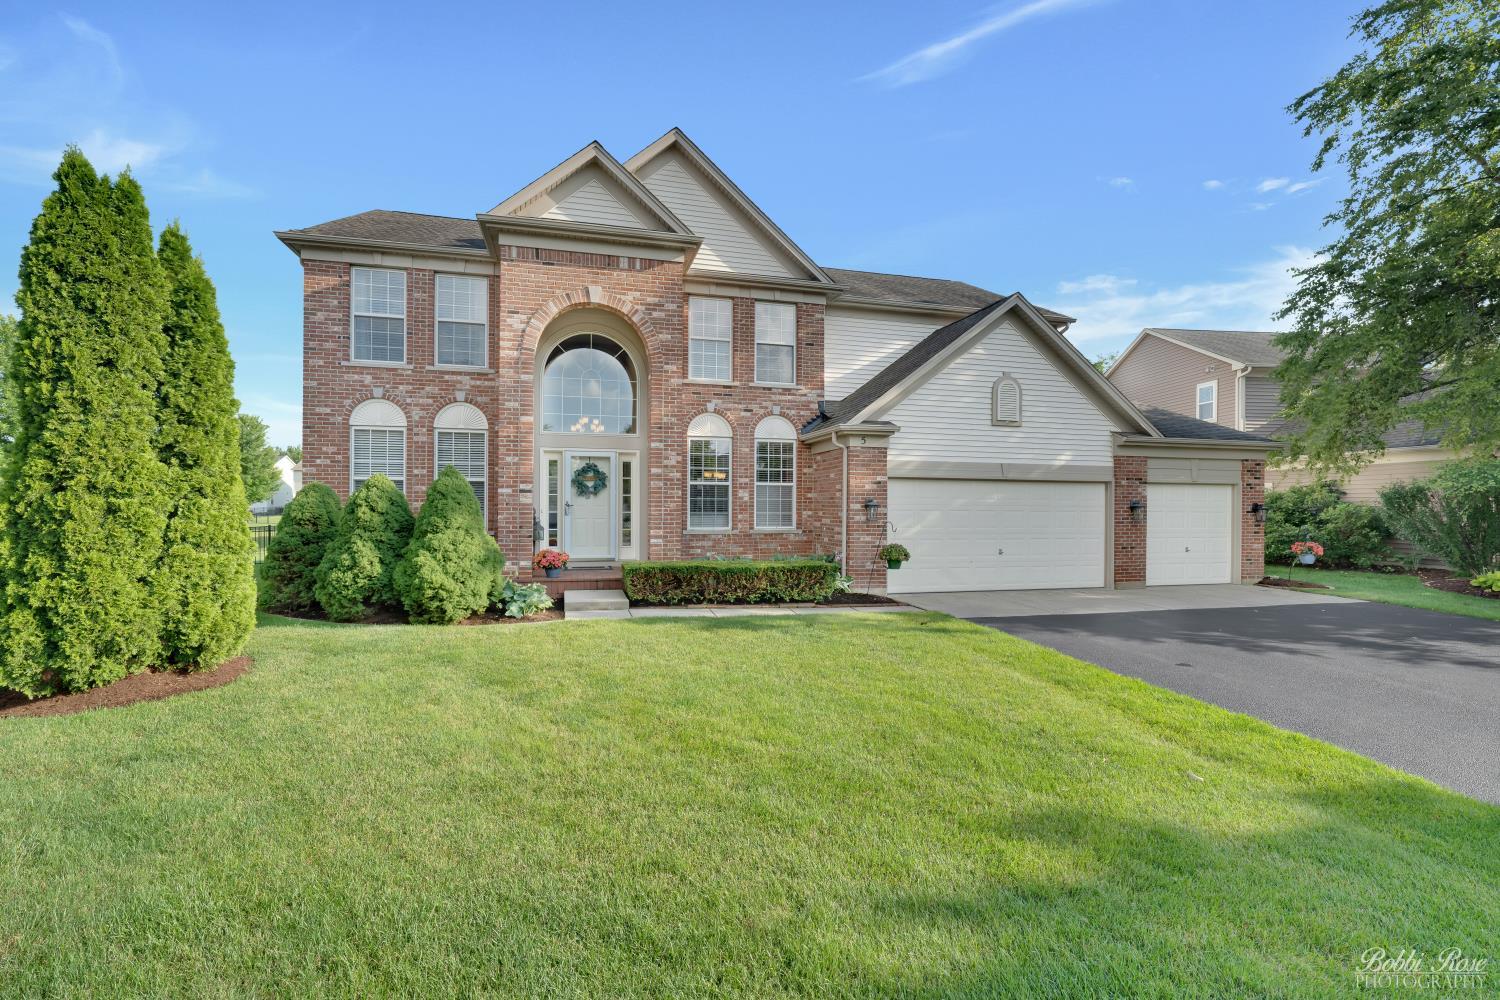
<point>589,387</point>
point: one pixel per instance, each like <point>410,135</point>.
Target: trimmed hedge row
<point>711,581</point>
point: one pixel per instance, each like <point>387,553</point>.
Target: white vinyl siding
<point>710,338</point>
<point>462,307</point>
<point>948,418</point>
<point>465,451</point>
<point>729,242</point>
<point>997,535</point>
<point>775,343</point>
<point>377,450</point>
<point>1208,401</point>
<point>378,300</point>
<point>592,203</point>
<point>858,343</point>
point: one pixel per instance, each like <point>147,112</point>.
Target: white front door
<point>997,535</point>
<point>588,520</point>
<point>1188,533</point>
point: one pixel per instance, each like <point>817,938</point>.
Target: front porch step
<point>577,601</point>
<point>577,578</point>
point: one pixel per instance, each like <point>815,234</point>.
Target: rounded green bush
<point>356,571</point>
<point>288,576</point>
<point>452,567</point>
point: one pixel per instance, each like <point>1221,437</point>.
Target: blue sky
<point>1129,162</point>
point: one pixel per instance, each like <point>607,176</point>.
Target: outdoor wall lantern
<point>872,510</point>
<point>1258,511</point>
<point>1137,511</point>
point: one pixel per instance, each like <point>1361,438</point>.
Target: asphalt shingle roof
<point>1249,347</point>
<point>1175,425</point>
<point>447,232</point>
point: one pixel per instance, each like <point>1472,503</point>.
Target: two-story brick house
<point>630,360</point>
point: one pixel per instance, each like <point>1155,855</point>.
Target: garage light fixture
<point>872,510</point>
<point>1258,511</point>
<point>1137,511</point>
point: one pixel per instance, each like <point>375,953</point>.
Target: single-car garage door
<point>997,534</point>
<point>1187,533</point>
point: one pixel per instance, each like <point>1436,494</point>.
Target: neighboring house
<point>291,485</point>
<point>1225,376</point>
<point>630,360</point>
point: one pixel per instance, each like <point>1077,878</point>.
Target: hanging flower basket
<point>1307,553</point>
<point>894,555</point>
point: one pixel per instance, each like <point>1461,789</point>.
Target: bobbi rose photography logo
<point>1449,969</point>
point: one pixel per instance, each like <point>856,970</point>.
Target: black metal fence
<point>262,534</point>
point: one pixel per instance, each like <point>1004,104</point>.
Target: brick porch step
<point>581,578</point>
<point>581,601</point>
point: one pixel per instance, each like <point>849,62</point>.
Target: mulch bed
<point>1281,581</point>
<point>855,600</point>
<point>395,616</point>
<point>149,686</point>
<point>850,600</point>
<point>1439,579</point>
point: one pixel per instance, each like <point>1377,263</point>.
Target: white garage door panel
<point>995,535</point>
<point>1187,534</point>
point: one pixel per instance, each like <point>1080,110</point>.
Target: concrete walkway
<point>1096,601</point>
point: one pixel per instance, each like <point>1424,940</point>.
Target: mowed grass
<point>862,805</point>
<point>1404,589</point>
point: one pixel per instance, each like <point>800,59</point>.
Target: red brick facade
<point>1130,532</point>
<point>531,289</point>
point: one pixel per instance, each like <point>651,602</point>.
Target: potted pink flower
<point>1307,553</point>
<point>550,561</point>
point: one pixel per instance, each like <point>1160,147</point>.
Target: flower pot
<point>554,572</point>
<point>1307,558</point>
<point>893,563</point>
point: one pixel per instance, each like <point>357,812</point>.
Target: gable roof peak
<point>594,157</point>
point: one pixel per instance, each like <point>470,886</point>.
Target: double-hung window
<point>709,444</point>
<point>775,474</point>
<point>462,304</point>
<point>377,443</point>
<point>776,343</point>
<point>379,306</point>
<point>710,338</point>
<point>1208,401</point>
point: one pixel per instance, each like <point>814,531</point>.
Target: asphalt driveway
<point>1417,690</point>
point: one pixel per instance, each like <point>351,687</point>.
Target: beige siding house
<point>1226,377</point>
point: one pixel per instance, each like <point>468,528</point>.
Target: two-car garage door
<point>997,534</point>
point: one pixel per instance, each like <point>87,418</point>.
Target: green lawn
<point>863,805</point>
<point>1394,588</point>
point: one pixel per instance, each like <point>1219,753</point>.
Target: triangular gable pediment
<point>738,238</point>
<point>591,188</point>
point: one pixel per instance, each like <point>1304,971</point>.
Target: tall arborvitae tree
<point>205,584</point>
<point>82,508</point>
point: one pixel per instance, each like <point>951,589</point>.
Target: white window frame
<point>765,309</point>
<point>464,418</point>
<point>695,333</point>
<point>377,415</point>
<point>483,322</point>
<point>355,313</point>
<point>1213,401</point>
<point>775,430</point>
<point>711,427</point>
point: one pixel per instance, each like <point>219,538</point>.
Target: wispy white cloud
<point>1272,183</point>
<point>939,57</point>
<point>87,33</point>
<point>1212,185</point>
<point>1114,308</point>
<point>1303,186</point>
<point>1120,182</point>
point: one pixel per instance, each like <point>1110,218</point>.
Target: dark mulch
<point>396,616</point>
<point>1281,581</point>
<point>149,686</point>
<point>1441,579</point>
<point>855,600</point>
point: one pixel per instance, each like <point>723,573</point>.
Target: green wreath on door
<point>589,480</point>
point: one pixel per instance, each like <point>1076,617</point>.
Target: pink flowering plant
<point>1298,548</point>
<point>549,559</point>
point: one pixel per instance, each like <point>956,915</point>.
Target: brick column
<point>867,480</point>
<point>1252,534</point>
<point>1130,536</point>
